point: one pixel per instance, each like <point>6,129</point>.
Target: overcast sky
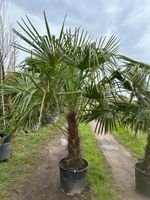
<point>129,20</point>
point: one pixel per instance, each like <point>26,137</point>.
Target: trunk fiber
<point>74,159</point>
<point>146,162</point>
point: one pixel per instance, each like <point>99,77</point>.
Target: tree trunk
<point>74,159</point>
<point>147,150</point>
<point>146,162</point>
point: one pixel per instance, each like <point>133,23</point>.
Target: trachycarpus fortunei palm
<point>77,73</point>
<point>138,116</point>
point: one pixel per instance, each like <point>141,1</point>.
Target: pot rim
<point>73,170</point>
<point>135,166</point>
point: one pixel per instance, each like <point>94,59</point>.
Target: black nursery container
<point>4,148</point>
<point>73,181</point>
<point>142,180</point>
<point>4,151</point>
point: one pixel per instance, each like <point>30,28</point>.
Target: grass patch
<point>136,145</point>
<point>26,153</point>
<point>99,175</point>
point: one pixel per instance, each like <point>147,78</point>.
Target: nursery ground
<point>26,152</point>
<point>44,183</point>
<point>32,171</point>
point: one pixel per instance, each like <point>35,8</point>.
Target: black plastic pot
<point>1,134</point>
<point>73,181</point>
<point>49,120</point>
<point>4,148</point>
<point>142,180</point>
<point>52,118</point>
<point>4,151</point>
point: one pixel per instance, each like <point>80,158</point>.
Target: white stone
<point>63,141</point>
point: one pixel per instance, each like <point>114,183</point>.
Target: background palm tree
<point>25,101</point>
<point>138,116</point>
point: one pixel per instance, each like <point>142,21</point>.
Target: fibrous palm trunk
<point>73,159</point>
<point>146,162</point>
<point>147,150</point>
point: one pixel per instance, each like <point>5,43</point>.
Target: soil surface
<point>122,166</point>
<point>44,183</point>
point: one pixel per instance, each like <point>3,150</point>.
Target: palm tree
<point>79,75</point>
<point>26,95</point>
<point>139,116</point>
